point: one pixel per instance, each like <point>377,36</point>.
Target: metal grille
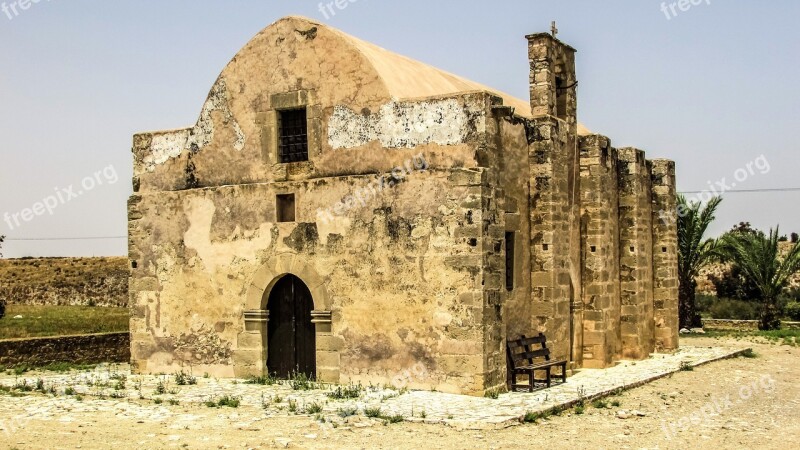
<point>293,145</point>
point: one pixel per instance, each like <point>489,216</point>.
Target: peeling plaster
<point>164,147</point>
<point>241,246</point>
<point>336,225</point>
<point>203,133</point>
<point>407,125</point>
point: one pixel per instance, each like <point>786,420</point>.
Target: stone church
<point>345,212</point>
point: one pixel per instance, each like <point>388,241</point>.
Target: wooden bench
<point>522,361</point>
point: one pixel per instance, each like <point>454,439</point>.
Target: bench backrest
<point>520,350</point>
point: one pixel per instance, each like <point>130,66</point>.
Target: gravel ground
<point>736,403</point>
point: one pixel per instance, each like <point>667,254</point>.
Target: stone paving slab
<point>114,389</point>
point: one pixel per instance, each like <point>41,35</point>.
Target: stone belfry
<point>554,183</point>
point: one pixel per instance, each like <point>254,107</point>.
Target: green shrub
<point>230,402</point>
<point>185,379</point>
<point>301,382</point>
<point>724,308</point>
<point>733,284</point>
<point>703,303</point>
<point>531,417</point>
<point>314,408</point>
<point>793,310</point>
<point>266,380</point>
<point>372,412</point>
<point>345,392</point>
<point>395,419</point>
<point>347,412</point>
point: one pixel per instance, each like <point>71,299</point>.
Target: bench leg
<point>564,373</point>
<point>531,381</point>
<point>549,382</point>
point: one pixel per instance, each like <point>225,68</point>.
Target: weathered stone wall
<point>86,349</point>
<point>356,125</point>
<point>515,167</point>
<point>665,256</point>
<point>403,276</point>
<point>636,254</point>
<point>555,204</point>
<point>65,281</point>
<point>600,230</point>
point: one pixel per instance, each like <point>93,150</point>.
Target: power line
<point>104,238</point>
<point>743,191</point>
<point>91,238</point>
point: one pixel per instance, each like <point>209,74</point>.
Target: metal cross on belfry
<point>554,29</point>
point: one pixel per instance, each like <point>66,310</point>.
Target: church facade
<point>347,213</point>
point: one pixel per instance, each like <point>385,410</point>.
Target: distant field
<point>65,281</point>
<point>41,321</point>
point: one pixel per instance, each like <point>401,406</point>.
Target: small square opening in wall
<point>594,249</point>
<point>285,207</point>
<point>293,137</point>
<point>663,249</point>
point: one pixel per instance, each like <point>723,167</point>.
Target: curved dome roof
<point>406,78</point>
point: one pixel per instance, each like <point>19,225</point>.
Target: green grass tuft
<point>346,392</point>
<point>372,412</point>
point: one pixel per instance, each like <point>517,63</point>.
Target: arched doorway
<point>291,336</point>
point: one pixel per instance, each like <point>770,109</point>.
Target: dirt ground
<point>732,404</point>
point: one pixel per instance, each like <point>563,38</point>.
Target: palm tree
<point>758,255</point>
<point>693,253</point>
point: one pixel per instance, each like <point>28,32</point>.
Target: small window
<point>510,259</point>
<point>561,98</point>
<point>293,144</point>
<point>285,208</point>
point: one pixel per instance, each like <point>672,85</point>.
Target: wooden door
<point>290,333</point>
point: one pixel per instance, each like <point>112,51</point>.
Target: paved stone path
<point>148,398</point>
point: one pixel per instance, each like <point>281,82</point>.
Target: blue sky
<point>714,88</point>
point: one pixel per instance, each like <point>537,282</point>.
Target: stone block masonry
<point>600,249</point>
<point>665,256</point>
<point>554,202</point>
<point>636,258</point>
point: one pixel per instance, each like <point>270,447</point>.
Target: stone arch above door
<point>251,355</point>
<point>279,266</point>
